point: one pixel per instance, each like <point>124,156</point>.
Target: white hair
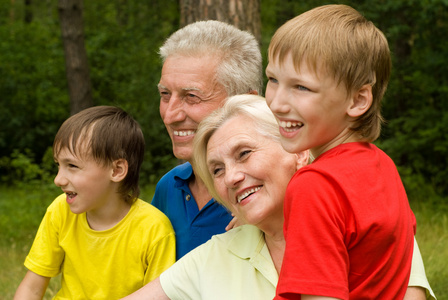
<point>240,67</point>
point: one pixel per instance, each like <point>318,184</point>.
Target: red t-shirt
<point>348,226</point>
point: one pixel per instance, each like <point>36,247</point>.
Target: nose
<point>233,176</point>
<point>172,111</point>
<point>275,98</point>
<point>60,180</point>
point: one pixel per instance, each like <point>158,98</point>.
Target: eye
<point>216,170</point>
<point>164,95</point>
<point>243,154</point>
<point>192,99</point>
<point>272,80</point>
<point>72,166</point>
<point>302,88</point>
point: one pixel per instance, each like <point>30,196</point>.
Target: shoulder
<point>182,171</point>
<point>59,208</point>
<point>168,186</point>
<point>149,217</point>
<point>237,239</point>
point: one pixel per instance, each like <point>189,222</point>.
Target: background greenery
<point>122,39</point>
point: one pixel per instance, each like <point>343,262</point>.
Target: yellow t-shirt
<point>107,264</point>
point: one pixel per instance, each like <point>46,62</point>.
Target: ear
<point>253,92</point>
<point>119,170</point>
<point>303,158</point>
<point>361,101</point>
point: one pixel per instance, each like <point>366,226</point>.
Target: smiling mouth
<point>247,194</point>
<point>290,126</point>
<point>70,195</point>
<point>184,133</point>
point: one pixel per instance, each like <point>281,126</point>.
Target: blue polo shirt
<point>192,226</point>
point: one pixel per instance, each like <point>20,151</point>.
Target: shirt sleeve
<point>162,256</point>
<point>46,255</point>
<point>418,274</point>
<point>182,280</point>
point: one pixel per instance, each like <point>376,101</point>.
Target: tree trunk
<point>77,69</point>
<point>28,18</point>
<point>12,12</point>
<point>244,14</point>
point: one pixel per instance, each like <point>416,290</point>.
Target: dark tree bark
<point>244,14</point>
<point>28,18</point>
<point>77,69</point>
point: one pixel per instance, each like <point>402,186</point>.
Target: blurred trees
<point>122,38</point>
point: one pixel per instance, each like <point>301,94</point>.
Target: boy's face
<point>311,108</point>
<point>86,183</point>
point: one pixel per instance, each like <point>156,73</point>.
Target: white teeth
<point>247,193</point>
<point>184,133</point>
<point>290,124</point>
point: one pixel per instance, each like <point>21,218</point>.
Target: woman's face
<point>250,171</point>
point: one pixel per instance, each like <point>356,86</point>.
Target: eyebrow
<point>161,86</point>
<point>236,147</point>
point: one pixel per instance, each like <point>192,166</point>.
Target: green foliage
<point>122,39</point>
<point>122,43</point>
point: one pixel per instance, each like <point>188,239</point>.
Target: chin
<point>183,154</point>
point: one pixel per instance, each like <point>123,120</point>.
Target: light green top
<point>234,265</point>
<point>418,275</point>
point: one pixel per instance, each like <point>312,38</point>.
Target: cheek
<point>221,189</point>
<point>268,95</point>
<point>162,108</point>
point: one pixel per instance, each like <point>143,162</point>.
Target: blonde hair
<point>340,41</point>
<point>251,106</point>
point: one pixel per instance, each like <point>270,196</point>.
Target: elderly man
<point>203,64</point>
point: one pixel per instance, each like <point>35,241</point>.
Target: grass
<point>21,211</point>
<point>432,238</point>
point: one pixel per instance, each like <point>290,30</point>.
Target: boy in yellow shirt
<point>106,242</point>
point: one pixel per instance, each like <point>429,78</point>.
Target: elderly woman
<point>238,155</point>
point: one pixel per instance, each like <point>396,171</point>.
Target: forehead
<point>78,145</point>
<point>187,72</point>
<point>238,131</point>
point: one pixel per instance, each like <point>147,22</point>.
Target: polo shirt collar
<point>249,244</point>
<point>184,173</point>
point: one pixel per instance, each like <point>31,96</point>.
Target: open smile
<point>290,126</point>
<point>184,133</point>
<point>247,193</point>
<point>70,197</point>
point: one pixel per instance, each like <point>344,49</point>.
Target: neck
<point>199,191</point>
<point>275,241</point>
<point>276,245</point>
<point>108,216</point>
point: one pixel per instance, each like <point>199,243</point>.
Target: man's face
<point>189,92</point>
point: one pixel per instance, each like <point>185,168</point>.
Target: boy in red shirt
<point>348,225</point>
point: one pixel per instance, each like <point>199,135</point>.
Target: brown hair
<point>108,133</point>
<point>338,39</point>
